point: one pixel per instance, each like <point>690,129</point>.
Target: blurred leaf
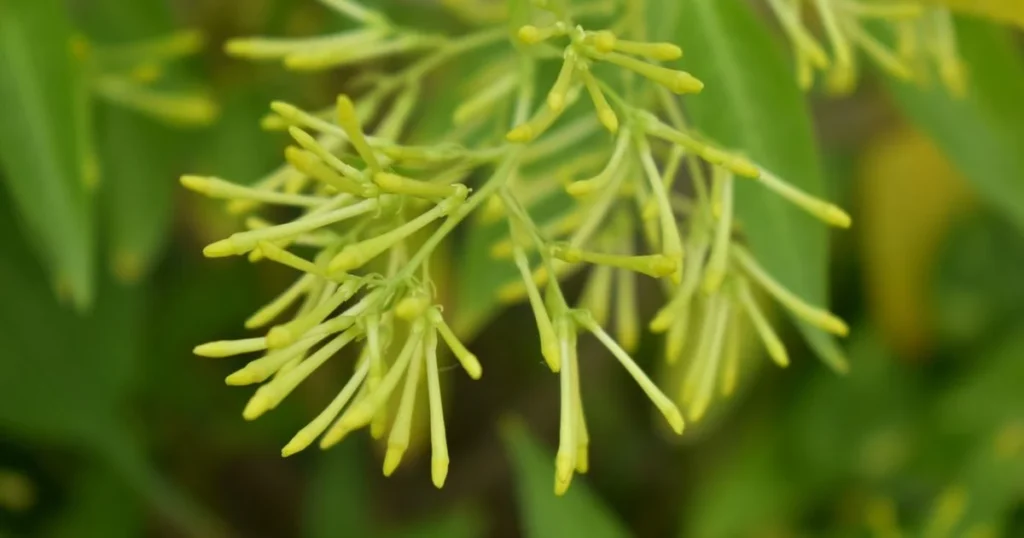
<point>138,188</point>
<point>99,505</point>
<point>750,493</point>
<point>62,376</point>
<point>43,140</point>
<point>910,196</point>
<point>1006,11</point>
<point>543,515</point>
<point>983,134</point>
<point>976,282</point>
<point>338,501</point>
<point>751,104</point>
<point>458,523</point>
<point>138,154</point>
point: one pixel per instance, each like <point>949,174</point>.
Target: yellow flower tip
<point>564,467</point>
<point>198,184</point>
<point>344,261</point>
<point>835,216</point>
<point>334,436</point>
<point>664,266</point>
<point>346,109</point>
<point>610,121</point>
<point>697,411</point>
<point>439,471</point>
<point>378,427</point>
<point>835,326</point>
<point>666,52</point>
<point>472,365</point>
<point>300,442</point>
<point>662,321</point>
<point>551,356</point>
<point>682,82</point>
<point>674,418</point>
<point>556,101</point>
<point>241,378</point>
<point>582,460</point>
<point>743,167</point>
<point>258,404</point>
<point>581,188</point>
<point>713,280</point>
<point>530,34</point>
<point>520,134</point>
<point>778,354</point>
<point>220,249</point>
<point>502,250</point>
<point>279,337</point>
<point>411,308</point>
<point>392,458</point>
<point>604,41</point>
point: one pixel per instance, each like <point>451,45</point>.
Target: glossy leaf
<point>751,104</point>
<point>43,140</point>
<point>543,515</point>
<point>982,134</point>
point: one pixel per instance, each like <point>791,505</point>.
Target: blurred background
<point>109,426</point>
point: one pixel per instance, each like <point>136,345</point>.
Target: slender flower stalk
<point>370,208</point>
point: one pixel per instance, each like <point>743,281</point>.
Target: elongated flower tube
<point>584,186</point>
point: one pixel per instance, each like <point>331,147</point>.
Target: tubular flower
<point>923,39</point>
<point>372,208</point>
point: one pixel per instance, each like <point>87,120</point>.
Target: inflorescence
<point>924,38</point>
<point>373,209</point>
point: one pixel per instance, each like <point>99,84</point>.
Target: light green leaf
<point>751,104</point>
<point>44,138</point>
<point>578,513</point>
<point>1005,11</point>
<point>983,134</point>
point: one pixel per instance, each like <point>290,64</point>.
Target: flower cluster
<point>372,211</point>
<point>923,36</point>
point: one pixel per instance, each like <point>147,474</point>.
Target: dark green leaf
<point>543,515</point>
<point>750,103</point>
<point>44,139</point>
<point>337,502</point>
<point>983,134</point>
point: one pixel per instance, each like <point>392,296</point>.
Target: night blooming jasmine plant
<point>571,97</point>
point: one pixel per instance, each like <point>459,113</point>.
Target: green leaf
<point>138,154</point>
<point>337,502</point>
<point>44,139</point>
<point>750,103</point>
<point>62,374</point>
<point>1005,11</point>
<point>982,134</point>
<point>543,515</point>
<point>462,522</point>
<point>99,505</point>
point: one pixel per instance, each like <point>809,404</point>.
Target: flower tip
<point>296,445</point>
<point>664,265</point>
<point>551,356</point>
<point>279,337</point>
<point>392,458</point>
<point>472,366</point>
<point>220,249</point>
<point>556,101</point>
<point>581,188</point>
<point>529,34</point>
<point>674,418</point>
<point>258,404</point>
<point>241,378</point>
<point>661,322</point>
<point>582,460</point>
<point>520,134</point>
<point>604,41</point>
<point>743,167</point>
<point>610,121</point>
<point>837,217</point>
<point>439,471</point>
<point>344,261</point>
<point>334,436</point>
<point>681,82</point>
<point>836,326</point>
<point>666,52</point>
<point>196,183</point>
<point>285,110</point>
<point>411,308</point>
